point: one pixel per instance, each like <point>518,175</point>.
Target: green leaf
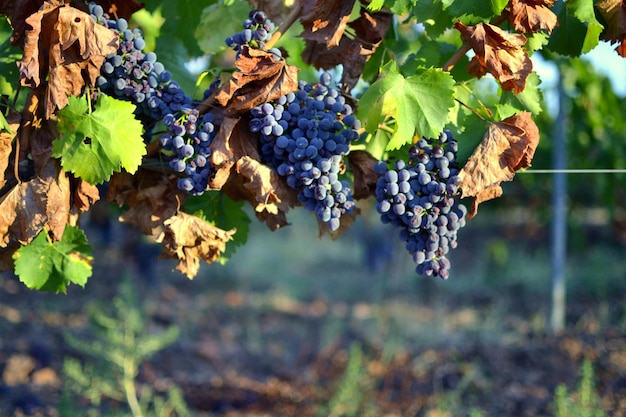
<point>52,266</point>
<point>181,19</point>
<point>433,15</point>
<point>93,145</point>
<point>4,125</point>
<point>419,102</point>
<point>578,31</point>
<point>217,209</point>
<point>530,99</point>
<point>173,51</point>
<point>376,5</point>
<point>216,23</point>
<point>474,11</point>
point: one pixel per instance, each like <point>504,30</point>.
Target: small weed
<point>107,385</point>
<point>584,402</point>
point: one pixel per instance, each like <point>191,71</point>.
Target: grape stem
<point>284,27</point>
<point>481,117</point>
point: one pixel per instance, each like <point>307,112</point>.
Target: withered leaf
<point>324,21</point>
<point>151,198</point>
<point>498,52</point>
<point>362,165</point>
<point>222,153</point>
<point>6,142</point>
<point>239,174</point>
<point>267,192</point>
<point>84,195</point>
<point>66,47</point>
<point>507,147</point>
<point>30,206</point>
<point>189,238</point>
<point>529,16</point>
<point>259,79</point>
<point>614,14</point>
<point>353,54</point>
<point>6,257</point>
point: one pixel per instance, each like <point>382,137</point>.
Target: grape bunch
<point>257,29</point>
<point>133,75</point>
<point>304,136</point>
<point>418,197</point>
<point>188,139</point>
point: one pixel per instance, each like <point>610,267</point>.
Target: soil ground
<point>280,345</point>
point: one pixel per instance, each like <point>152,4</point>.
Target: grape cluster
<point>133,75</point>
<point>188,138</point>
<point>304,136</point>
<point>257,29</point>
<point>418,197</point>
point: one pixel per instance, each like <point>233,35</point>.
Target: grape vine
<point>100,107</point>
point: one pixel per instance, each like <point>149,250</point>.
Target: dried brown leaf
<point>30,206</point>
<point>362,166</point>
<point>84,195</point>
<point>507,147</point>
<point>151,197</point>
<point>259,79</point>
<point>266,191</point>
<point>238,172</point>
<point>6,144</point>
<point>353,54</point>
<point>222,154</point>
<point>325,21</point>
<point>529,16</point>
<point>614,14</point>
<point>6,257</point>
<point>498,52</point>
<point>189,238</point>
<point>66,47</point>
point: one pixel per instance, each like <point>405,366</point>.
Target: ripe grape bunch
<point>304,136</point>
<point>188,139</point>
<point>137,77</point>
<point>257,30</point>
<point>418,197</point>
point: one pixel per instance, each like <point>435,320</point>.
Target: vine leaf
<point>189,238</point>
<point>353,53</point>
<point>362,166</point>
<point>216,208</point>
<point>49,265</point>
<point>324,21</point>
<point>8,130</point>
<point>241,176</point>
<point>419,102</point>
<point>500,53</point>
<point>532,15</point>
<point>66,48</point>
<point>507,147</point>
<point>30,206</point>
<point>18,11</point>
<point>154,201</point>
<point>578,31</point>
<point>260,78</point>
<point>614,14</point>
<point>93,145</point>
<point>150,198</point>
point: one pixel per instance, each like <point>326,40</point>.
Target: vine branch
<point>284,27</point>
